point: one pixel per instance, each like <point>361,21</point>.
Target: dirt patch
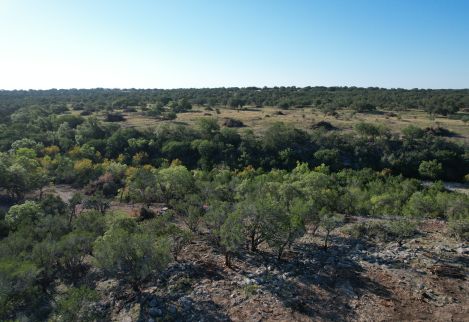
<point>352,281</point>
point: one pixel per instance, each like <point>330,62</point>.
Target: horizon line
<point>228,87</point>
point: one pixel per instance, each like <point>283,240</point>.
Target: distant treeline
<point>329,99</point>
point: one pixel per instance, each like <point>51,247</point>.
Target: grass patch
<point>250,290</point>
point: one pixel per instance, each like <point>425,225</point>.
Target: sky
<point>208,43</point>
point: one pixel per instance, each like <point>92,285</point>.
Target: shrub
<point>363,107</point>
<point>26,213</point>
<point>329,221</point>
<point>77,305</point>
<point>397,230</point>
<point>17,285</point>
<point>422,205</point>
<point>459,229</point>
<point>250,290</point>
<point>131,255</point>
<point>230,122</point>
<point>92,222</point>
<point>179,238</point>
<point>115,117</point>
<point>430,169</point>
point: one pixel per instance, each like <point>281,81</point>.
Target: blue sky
<point>168,44</point>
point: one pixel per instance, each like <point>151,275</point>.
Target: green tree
<point>430,169</point>
<point>90,222</point>
<point>143,186</point>
<point>23,214</point>
<point>412,133</point>
<point>330,157</point>
<point>191,210</point>
<point>217,213</point>
<point>97,202</point>
<point>423,205</point>
<point>363,107</point>
<point>179,238</point>
<point>231,236</point>
<point>329,222</point>
<point>18,287</point>
<point>131,255</point>
<point>208,127</point>
<point>284,224</point>
<point>254,213</point>
<point>71,251</point>
<point>75,200</point>
<point>66,136</point>
<point>175,182</point>
<point>370,130</point>
<point>77,305</point>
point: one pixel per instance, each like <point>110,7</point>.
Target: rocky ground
<point>425,278</point>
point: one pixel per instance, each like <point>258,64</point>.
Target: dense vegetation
<point>209,177</point>
<point>327,98</point>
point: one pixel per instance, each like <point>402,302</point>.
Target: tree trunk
<point>121,195</point>
<point>136,289</point>
<point>315,229</point>
<point>280,251</point>
<point>227,259</point>
<point>325,240</point>
<point>253,242</point>
<point>70,218</point>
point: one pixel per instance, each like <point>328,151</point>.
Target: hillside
<point>149,205</point>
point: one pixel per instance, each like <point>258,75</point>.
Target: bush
<point>18,287</point>
<point>4,229</point>
<point>329,221</point>
<point>71,250</point>
<point>77,305</point>
<point>250,290</point>
<point>363,107</point>
<point>459,229</point>
<point>146,213</point>
<point>230,122</point>
<point>423,205</point>
<point>115,117</point>
<point>397,230</point>
<point>131,255</point>
<point>324,125</point>
<point>26,213</point>
<point>92,222</point>
<point>430,169</point>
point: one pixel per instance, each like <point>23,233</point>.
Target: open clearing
<point>258,119</point>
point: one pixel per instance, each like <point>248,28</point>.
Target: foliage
<point>18,287</point>
<point>175,182</point>
<point>243,189</point>
<point>142,186</point>
<point>430,169</point>
<point>459,228</point>
<point>77,305</point>
<point>231,233</point>
<point>384,231</point>
<point>23,214</point>
<point>329,221</point>
<point>132,255</point>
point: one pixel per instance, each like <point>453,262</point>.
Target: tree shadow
<point>176,305</point>
<point>207,311</point>
<point>317,283</point>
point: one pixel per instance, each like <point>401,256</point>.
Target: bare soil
<point>424,279</point>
